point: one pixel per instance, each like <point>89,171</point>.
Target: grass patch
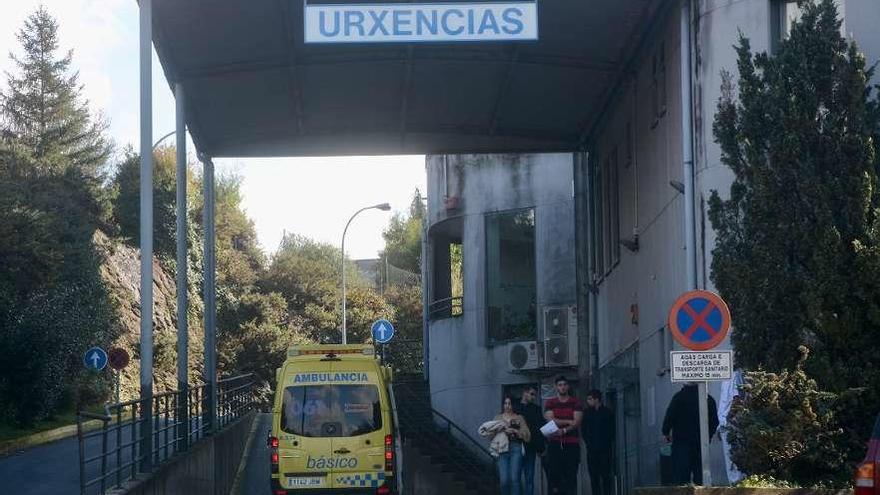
<point>65,418</point>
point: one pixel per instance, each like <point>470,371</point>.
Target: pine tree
<point>43,108</point>
<point>798,249</point>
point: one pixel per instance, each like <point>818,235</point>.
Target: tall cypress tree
<point>798,249</point>
<point>43,108</point>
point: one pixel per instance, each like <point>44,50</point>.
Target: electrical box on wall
<point>560,336</point>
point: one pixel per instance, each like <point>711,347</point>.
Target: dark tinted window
<point>877,428</point>
<point>331,410</point>
<point>510,275</point>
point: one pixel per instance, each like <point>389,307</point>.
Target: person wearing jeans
<point>563,447</point>
<point>531,412</point>
<point>510,461</point>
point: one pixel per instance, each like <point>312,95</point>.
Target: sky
<point>309,196</point>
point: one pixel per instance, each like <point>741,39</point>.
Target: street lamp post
<point>383,207</point>
<point>163,138</point>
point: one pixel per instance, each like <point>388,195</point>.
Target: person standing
<point>598,435</point>
<point>509,450</point>
<point>531,412</point>
<point>563,447</point>
<point>681,426</point>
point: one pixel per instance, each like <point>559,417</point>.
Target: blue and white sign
<point>426,22</point>
<point>95,359</point>
<point>383,331</point>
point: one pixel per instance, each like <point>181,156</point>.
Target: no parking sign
<point>699,320</point>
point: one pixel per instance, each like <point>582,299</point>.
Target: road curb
<point>242,465</point>
<point>44,437</point>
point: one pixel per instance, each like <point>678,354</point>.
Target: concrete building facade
<point>608,230</point>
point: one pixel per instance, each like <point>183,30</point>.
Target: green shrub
<point>784,428</point>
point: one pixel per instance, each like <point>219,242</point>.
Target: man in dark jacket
<point>598,434</point>
<point>535,420</point>
<point>682,423</point>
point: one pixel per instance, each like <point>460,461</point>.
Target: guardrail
<point>114,453</point>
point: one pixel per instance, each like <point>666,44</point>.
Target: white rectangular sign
<point>689,366</point>
<point>427,22</point>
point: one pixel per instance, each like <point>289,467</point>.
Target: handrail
<point>445,308</point>
<point>471,440</point>
<point>175,422</point>
<point>398,449</point>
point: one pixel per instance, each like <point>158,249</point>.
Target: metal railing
<point>115,453</point>
<point>450,444</point>
<point>445,308</point>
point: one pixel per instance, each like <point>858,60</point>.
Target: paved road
<point>54,467</point>
<point>256,474</point>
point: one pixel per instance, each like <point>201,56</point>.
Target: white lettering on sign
<point>701,366</point>
<point>406,23</point>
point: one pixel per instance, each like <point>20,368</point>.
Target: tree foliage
<point>53,304</point>
<point>787,428</point>
<point>798,248</point>
<point>43,107</point>
<point>403,237</point>
<point>307,274</point>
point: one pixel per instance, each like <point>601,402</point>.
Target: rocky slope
<point>121,273</point>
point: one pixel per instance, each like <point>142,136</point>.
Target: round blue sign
<point>383,331</point>
<point>95,359</point>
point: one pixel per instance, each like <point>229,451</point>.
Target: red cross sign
<point>699,320</point>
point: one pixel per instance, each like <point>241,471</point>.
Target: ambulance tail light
<point>389,453</point>
<point>383,490</point>
<point>273,457</point>
<point>864,482</point>
<point>279,492</point>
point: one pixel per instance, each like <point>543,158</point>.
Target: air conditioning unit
<point>560,336</point>
<point>523,356</point>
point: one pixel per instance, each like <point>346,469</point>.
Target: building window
<point>447,265</point>
<point>614,210</point>
<point>606,215</point>
<point>658,83</point>
<point>597,251</point>
<point>630,157</point>
<point>510,275</point>
<point>456,272</point>
<point>783,13</point>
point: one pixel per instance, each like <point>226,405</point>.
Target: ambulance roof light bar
<point>330,351</point>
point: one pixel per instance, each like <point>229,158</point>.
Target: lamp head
<point>383,207</point>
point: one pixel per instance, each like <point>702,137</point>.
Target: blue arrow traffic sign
<point>95,359</point>
<point>383,331</point>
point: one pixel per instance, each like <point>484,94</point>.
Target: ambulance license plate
<point>305,482</point>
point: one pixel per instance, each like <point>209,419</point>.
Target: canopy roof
<point>254,88</point>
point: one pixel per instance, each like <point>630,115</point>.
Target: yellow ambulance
<point>332,423</point>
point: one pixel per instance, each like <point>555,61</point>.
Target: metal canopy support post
<point>209,411</point>
<point>687,134</point>
<point>146,232</point>
<point>182,275</point>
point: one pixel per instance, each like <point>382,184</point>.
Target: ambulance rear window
<point>331,410</point>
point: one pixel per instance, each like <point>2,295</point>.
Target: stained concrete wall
<point>467,371</point>
<point>209,467</point>
<point>653,277</point>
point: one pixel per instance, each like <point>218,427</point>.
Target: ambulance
<point>333,423</point>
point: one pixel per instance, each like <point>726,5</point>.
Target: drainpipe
<point>687,138</point>
<point>593,297</point>
<point>426,288</point>
<point>687,143</point>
